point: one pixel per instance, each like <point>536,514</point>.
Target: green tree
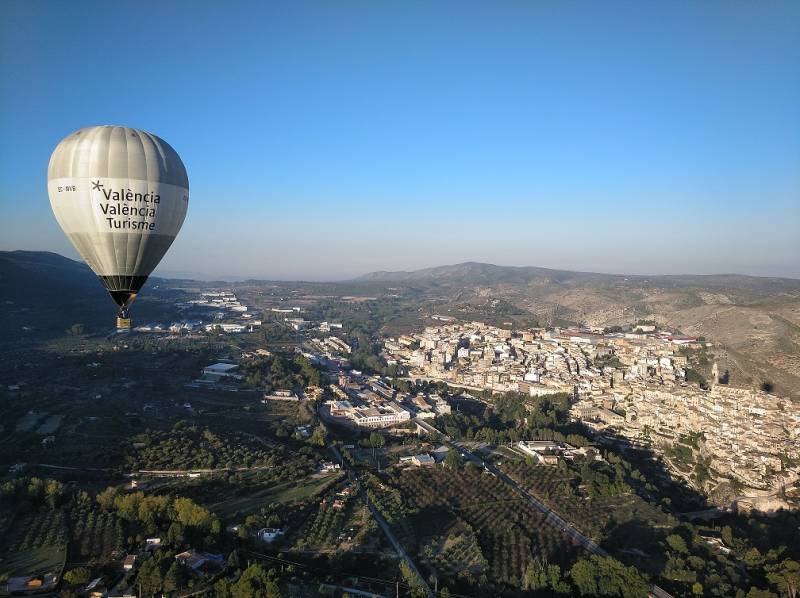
<point>453,460</point>
<point>318,437</point>
<point>584,577</point>
<point>556,581</point>
<point>535,576</point>
<point>149,577</point>
<point>175,534</point>
<point>152,508</point>
<point>256,582</point>
<point>53,493</point>
<point>174,578</point>
<point>753,558</point>
<point>83,501</point>
<point>606,576</point>
<point>727,536</point>
<point>78,576</point>
<point>677,544</point>
<point>191,514</point>
<point>376,440</point>
<point>223,588</point>
<point>36,488</point>
<point>786,578</point>
<point>216,527</point>
<point>233,560</point>
<point>106,498</point>
<point>412,579</point>
<point>127,505</point>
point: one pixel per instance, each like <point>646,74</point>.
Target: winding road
<point>384,525</point>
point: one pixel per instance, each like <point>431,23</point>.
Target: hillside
<point>42,294</point>
<point>34,276</point>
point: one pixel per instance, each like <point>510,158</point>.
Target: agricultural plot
<point>274,421</point>
<point>97,537</point>
<point>324,532</point>
<point>281,409</point>
<point>389,502</point>
<point>324,529</point>
<point>360,531</point>
<point>455,551</point>
<point>100,427</point>
<point>287,492</point>
<point>189,447</point>
<point>34,543</point>
<point>211,401</point>
<point>509,532</point>
<point>560,489</point>
<point>28,421</point>
<point>372,458</point>
<point>50,425</point>
<point>45,559</point>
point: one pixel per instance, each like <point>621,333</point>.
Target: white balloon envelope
<point>120,195</point>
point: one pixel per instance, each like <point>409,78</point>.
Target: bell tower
<point>714,374</point>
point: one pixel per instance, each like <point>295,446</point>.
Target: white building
<point>220,369</point>
<point>270,534</point>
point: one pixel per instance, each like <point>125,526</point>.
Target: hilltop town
<point>637,385</point>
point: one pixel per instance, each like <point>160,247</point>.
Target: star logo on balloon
<point>96,185</point>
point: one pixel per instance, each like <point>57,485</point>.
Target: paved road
<point>387,530</point>
<point>706,514</point>
<point>67,468</point>
<point>157,472</point>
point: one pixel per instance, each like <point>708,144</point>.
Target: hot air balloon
<point>120,195</point>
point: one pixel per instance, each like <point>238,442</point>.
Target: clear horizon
<point>186,275</point>
<point>327,141</point>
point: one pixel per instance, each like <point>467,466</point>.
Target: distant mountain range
<point>25,275</point>
<point>489,274</point>
<point>26,272</point>
<point>753,321</point>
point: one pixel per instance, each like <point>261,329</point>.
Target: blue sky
<point>328,139</point>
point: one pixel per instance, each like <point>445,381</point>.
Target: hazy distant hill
<point>475,272</point>
<point>479,273</point>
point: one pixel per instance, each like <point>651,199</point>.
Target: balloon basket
<point>123,324</point>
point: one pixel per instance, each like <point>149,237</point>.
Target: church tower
<point>714,375</point>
